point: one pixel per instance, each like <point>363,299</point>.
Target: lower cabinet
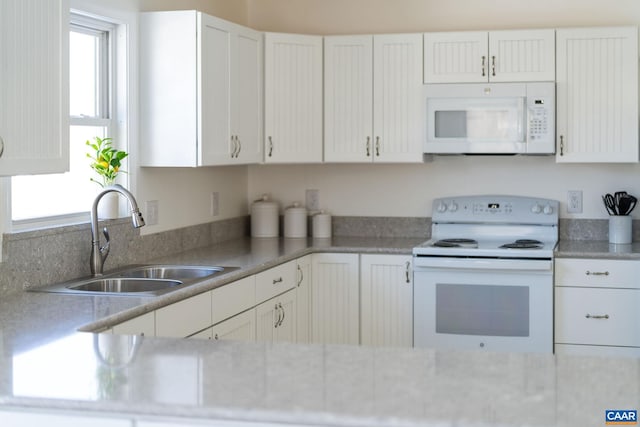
<point>276,318</point>
<point>141,325</point>
<point>596,307</point>
<point>386,300</point>
<point>335,299</point>
<point>241,327</point>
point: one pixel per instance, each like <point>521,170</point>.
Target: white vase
<point>620,229</point>
<point>108,207</point>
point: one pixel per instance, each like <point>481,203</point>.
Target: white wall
<point>408,190</point>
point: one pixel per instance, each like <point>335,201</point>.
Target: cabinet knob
<point>278,280</point>
<point>215,337</point>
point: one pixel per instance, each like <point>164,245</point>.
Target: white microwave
<point>498,118</point>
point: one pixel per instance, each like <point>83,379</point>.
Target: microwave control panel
<point>541,106</point>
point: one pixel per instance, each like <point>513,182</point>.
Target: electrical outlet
<point>151,212</point>
<point>574,201</point>
<point>215,203</point>
<point>313,200</point>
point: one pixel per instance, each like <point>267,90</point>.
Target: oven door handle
<point>483,263</point>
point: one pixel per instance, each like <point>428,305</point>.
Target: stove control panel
<point>487,209</point>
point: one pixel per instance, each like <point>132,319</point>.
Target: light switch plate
<point>151,212</point>
<point>574,201</point>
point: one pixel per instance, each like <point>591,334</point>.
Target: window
<point>67,197</point>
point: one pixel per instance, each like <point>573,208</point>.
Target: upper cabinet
<point>597,95</point>
<point>373,103</point>
<point>496,56</point>
<point>293,98</point>
<point>201,95</point>
<point>34,88</point>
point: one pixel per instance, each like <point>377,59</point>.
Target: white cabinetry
<point>34,86</point>
<point>184,318</point>
<point>386,300</point>
<point>303,299</point>
<point>276,318</point>
<point>241,327</point>
<point>201,95</point>
<point>26,419</point>
<point>596,306</point>
<point>293,98</point>
<point>141,325</point>
<point>597,95</point>
<point>373,98</point>
<point>496,56</point>
<point>335,313</point>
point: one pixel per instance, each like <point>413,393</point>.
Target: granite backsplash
<point>42,257</point>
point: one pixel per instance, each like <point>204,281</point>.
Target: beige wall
<point>231,10</point>
<point>372,16</point>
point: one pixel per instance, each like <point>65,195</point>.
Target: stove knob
<point>548,210</point>
<point>536,209</point>
<point>453,207</point>
<point>441,207</point>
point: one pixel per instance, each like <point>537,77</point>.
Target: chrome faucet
<point>99,254</point>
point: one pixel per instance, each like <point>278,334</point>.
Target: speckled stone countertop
<point>46,364</point>
<point>597,249</point>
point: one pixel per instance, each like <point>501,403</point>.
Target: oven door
<point>484,307</point>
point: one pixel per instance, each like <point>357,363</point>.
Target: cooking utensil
<point>620,203</point>
<point>609,204</point>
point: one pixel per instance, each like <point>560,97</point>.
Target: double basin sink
<point>141,280</point>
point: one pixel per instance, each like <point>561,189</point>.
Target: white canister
<point>295,221</point>
<point>620,231</point>
<point>264,218</point>
<point>321,227</point>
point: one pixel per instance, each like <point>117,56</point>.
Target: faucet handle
<point>104,251</point>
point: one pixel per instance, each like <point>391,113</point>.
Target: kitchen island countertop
<point>46,364</point>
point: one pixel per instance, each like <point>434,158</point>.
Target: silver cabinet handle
<point>484,60</point>
<point>270,146</point>
<point>406,271</point>
<point>493,66</point>
<point>276,314</point>
<point>301,276</point>
<point>234,146</point>
<point>283,314</point>
<point>596,316</point>
<point>216,337</point>
<point>377,146</point>
<point>278,280</point>
<point>562,145</point>
<point>596,273</point>
<point>368,146</point>
<point>1,146</point>
<point>239,146</point>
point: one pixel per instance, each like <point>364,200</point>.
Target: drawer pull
<point>597,273</point>
<point>597,316</point>
<point>278,280</point>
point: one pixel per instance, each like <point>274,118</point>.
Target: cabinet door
<point>522,56</point>
<point>34,88</point>
<point>348,99</point>
<point>214,100</point>
<point>241,327</point>
<point>303,299</point>
<point>335,313</point>
<point>184,318</point>
<point>276,318</point>
<point>275,281</point>
<point>142,325</point>
<point>386,300</point>
<point>246,99</point>
<point>399,109</point>
<point>293,98</point>
<point>597,95</point>
<point>456,57</point>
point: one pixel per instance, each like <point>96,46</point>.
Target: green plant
<point>105,160</point>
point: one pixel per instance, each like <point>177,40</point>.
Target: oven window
<point>488,310</point>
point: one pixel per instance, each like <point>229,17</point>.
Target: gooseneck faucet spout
<point>99,254</point>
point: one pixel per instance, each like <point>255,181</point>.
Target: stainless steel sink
<point>139,280</point>
<point>122,285</point>
<point>172,272</point>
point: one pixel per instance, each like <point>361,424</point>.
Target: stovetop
<point>492,226</point>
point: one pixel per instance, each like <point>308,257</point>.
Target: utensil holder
<point>620,229</point>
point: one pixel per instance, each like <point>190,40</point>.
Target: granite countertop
<point>46,363</point>
<point>597,249</point>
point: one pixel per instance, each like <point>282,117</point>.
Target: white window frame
<point>113,110</point>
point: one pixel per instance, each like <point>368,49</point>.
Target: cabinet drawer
<point>597,316</point>
<point>597,273</point>
<point>597,350</point>
<point>185,317</point>
<point>275,281</point>
<point>233,298</point>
